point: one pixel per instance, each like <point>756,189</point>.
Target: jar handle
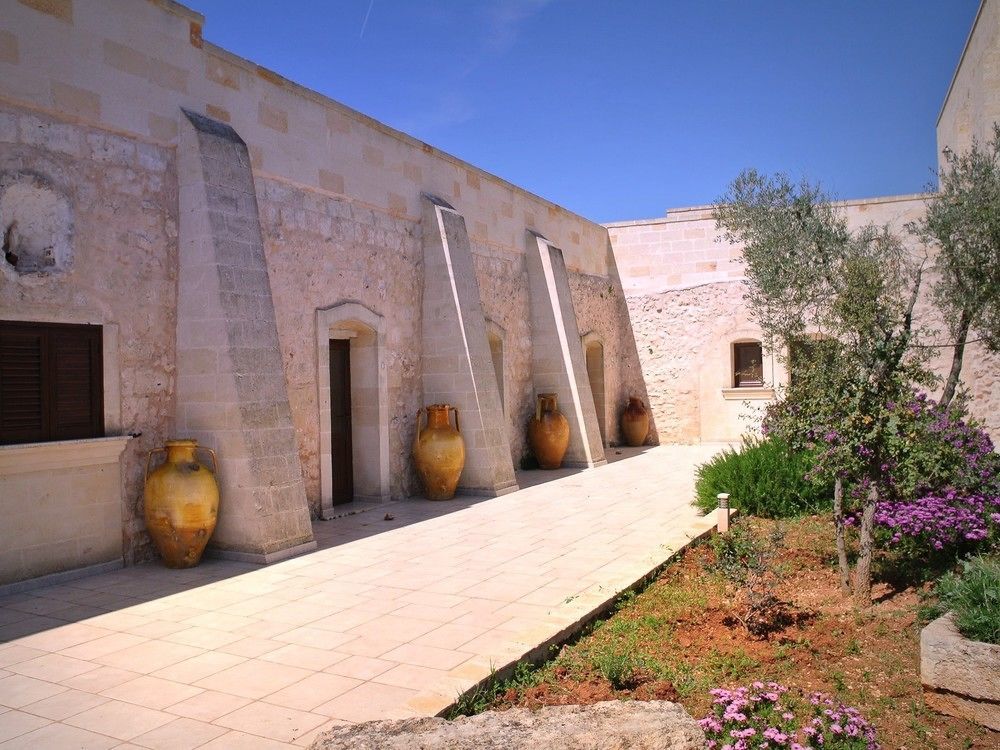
<point>538,408</point>
<point>416,433</point>
<point>149,457</point>
<point>457,428</point>
<point>215,461</point>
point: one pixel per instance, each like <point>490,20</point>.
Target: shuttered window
<point>51,380</point>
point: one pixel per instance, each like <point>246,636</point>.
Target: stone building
<point>193,245</point>
<point>684,284</point>
<point>196,246</point>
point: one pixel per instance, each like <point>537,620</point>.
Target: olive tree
<point>963,224</point>
<point>809,277</point>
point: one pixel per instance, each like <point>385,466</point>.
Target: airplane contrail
<point>364,23</point>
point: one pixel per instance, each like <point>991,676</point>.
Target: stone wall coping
<point>178,9</point>
<point>61,454</point>
<point>307,93</point>
<point>703,212</point>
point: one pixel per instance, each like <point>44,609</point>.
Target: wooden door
<point>341,451</point>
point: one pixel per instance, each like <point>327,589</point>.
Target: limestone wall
<point>339,201</point>
<point>121,271</point>
<point>972,103</point>
<point>144,59</point>
<point>684,288</point>
<point>323,250</point>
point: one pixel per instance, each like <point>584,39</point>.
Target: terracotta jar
<point>181,503</point>
<point>439,452</point>
<point>635,422</point>
<point>548,432</point>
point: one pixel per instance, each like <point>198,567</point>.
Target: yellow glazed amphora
<point>181,503</point>
<point>439,452</point>
<point>548,432</point>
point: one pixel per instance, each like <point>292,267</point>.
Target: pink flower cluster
<point>765,716</point>
<point>941,520</point>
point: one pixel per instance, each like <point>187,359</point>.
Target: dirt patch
<point>678,639</point>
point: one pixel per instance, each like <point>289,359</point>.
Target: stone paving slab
<point>387,619</point>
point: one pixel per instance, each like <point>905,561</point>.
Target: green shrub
<point>974,598</point>
<point>763,478</point>
<point>617,666</point>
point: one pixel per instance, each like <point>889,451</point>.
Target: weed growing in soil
<point>747,561</point>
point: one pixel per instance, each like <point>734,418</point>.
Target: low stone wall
<point>60,507</point>
<point>960,677</point>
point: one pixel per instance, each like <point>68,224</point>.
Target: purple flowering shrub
<point>767,716</point>
<point>941,522</point>
<point>944,482</point>
<point>937,472</point>
<point>940,451</point>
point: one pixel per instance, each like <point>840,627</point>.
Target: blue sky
<point>619,110</point>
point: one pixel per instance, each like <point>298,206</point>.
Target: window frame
<point>50,334</point>
<point>737,347</point>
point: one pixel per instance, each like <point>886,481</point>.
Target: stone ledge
<point>62,454</point>
<point>748,394</point>
<point>960,676</point>
<point>261,558</point>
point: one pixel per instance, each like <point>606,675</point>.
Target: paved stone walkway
<point>389,618</point>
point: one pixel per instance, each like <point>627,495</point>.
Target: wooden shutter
<point>22,366</point>
<point>51,382</point>
<point>77,409</point>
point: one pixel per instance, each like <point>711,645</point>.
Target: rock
<point>611,725</point>
<point>960,677</point>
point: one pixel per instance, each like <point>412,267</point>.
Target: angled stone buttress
<point>457,365</point>
<point>557,360</point>
<point>231,393</point>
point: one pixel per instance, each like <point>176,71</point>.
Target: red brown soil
<point>867,658</point>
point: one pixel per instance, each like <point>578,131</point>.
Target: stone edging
<point>960,677</point>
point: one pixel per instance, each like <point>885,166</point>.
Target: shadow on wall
<point>631,376</point>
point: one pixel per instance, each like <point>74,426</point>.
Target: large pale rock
<point>960,677</point>
<point>612,725</point>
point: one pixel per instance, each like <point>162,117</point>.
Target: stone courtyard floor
<point>388,618</point>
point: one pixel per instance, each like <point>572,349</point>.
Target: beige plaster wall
<point>122,272</point>
<point>684,288</point>
<point>59,507</point>
<point>972,104</point>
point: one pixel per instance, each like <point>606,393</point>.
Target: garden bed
<point>677,640</point>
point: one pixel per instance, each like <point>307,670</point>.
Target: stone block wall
<point>121,272</point>
<point>92,95</point>
<point>684,289</point>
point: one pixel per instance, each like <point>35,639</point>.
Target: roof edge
<point>961,59</point>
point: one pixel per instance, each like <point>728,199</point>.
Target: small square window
<point>51,382</point>
<point>748,365</point>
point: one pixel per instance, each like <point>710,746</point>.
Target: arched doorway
<point>593,349</point>
<point>495,335</point>
<point>353,405</point>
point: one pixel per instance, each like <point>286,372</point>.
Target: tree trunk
<point>838,522</point>
<point>956,359</point>
<point>863,570</point>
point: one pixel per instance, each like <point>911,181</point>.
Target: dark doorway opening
<point>341,449</point>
